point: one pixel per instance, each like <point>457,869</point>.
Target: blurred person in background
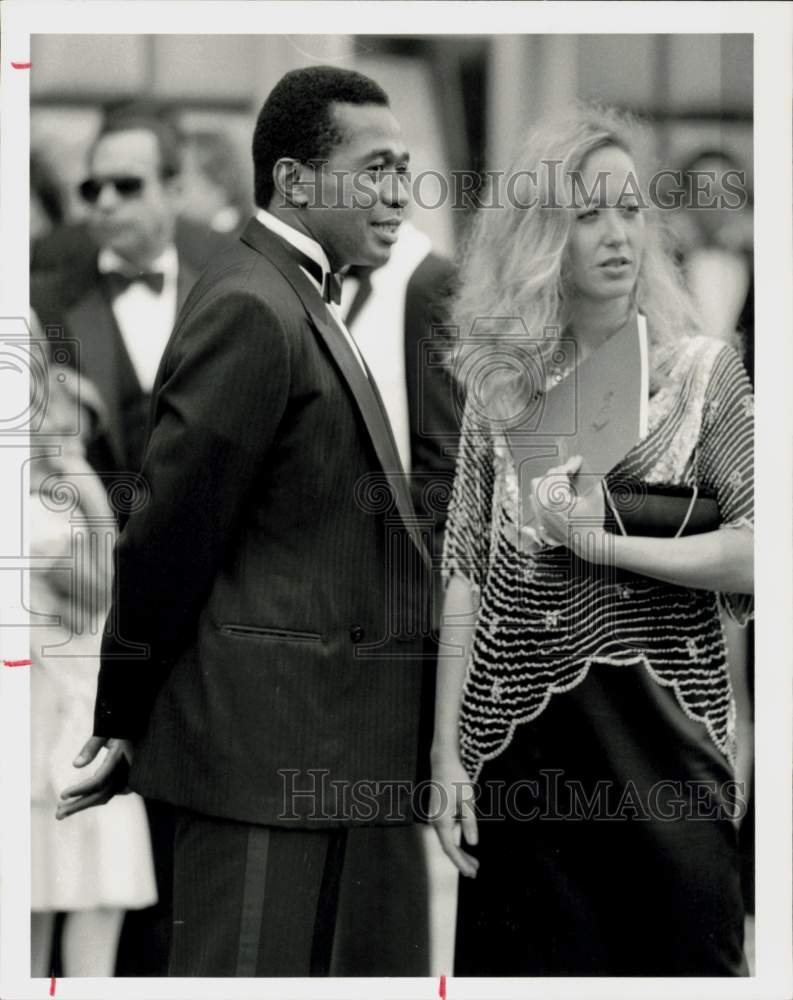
<point>391,312</point>
<point>94,870</point>
<point>46,197</point>
<point>716,245</point>
<point>214,190</point>
<point>594,657</point>
<point>70,248</point>
<point>120,307</point>
<point>716,236</point>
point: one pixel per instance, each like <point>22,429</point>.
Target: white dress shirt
<point>305,244</point>
<point>379,328</point>
<point>144,317</point>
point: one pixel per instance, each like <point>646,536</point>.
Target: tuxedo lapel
<point>185,279</point>
<point>363,390</point>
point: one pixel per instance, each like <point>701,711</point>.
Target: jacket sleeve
<point>433,402</point>
<point>223,388</point>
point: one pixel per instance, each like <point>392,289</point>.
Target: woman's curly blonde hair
<point>513,280</point>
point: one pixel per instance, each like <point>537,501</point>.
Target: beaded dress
<point>618,685</point>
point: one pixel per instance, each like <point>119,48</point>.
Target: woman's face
<point>607,241</point>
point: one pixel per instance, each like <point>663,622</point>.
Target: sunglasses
<point>126,187</point>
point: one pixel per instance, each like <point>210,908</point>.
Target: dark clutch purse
<point>659,511</point>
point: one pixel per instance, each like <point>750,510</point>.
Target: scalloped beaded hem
<point>726,745</point>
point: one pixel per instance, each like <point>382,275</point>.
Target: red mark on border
<point>442,988</point>
<point>17,663</point>
<point>21,65</point>
<point>53,981</point>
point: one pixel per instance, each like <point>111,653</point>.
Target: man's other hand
<point>108,780</point>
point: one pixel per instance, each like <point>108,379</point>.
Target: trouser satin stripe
<point>253,899</point>
<point>328,904</point>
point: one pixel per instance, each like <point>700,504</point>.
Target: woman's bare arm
<point>451,791</point>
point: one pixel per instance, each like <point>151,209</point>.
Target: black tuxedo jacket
<point>82,309</point>
<point>276,579</point>
<point>433,406</point>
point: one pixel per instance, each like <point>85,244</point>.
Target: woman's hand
<point>720,560</point>
<point>452,800</point>
<point>560,516</point>
<point>451,790</point>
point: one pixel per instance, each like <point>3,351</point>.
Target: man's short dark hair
<point>148,116</point>
<point>297,121</point>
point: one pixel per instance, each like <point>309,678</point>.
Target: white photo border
<point>772,26</point>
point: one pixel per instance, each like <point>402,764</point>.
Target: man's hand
<point>108,780</point>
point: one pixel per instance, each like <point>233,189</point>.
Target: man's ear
<point>293,182</point>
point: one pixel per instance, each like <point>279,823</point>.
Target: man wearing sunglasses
<point>121,307</point>
<point>262,663</point>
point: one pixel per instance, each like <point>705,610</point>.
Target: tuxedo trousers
<point>252,900</point>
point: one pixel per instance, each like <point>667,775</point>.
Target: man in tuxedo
<point>120,299</point>
<point>70,249</point>
<point>261,668</point>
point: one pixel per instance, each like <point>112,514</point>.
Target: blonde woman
<point>585,720</point>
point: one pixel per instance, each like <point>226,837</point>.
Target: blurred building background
<point>464,102</point>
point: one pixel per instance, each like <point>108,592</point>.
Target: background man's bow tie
<point>119,281</point>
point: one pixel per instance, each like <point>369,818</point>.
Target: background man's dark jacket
<point>79,301</point>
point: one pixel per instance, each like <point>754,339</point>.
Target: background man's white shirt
<point>379,328</point>
<point>144,317</point>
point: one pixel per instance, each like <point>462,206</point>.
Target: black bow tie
<point>331,287</point>
<point>330,281</point>
<point>119,281</point>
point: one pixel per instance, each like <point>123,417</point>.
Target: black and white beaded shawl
<point>545,616</point>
